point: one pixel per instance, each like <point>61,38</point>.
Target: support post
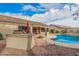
<point>45,31</point>
<point>40,30</point>
<point>31,29</point>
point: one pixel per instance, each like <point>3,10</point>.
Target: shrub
<point>57,31</point>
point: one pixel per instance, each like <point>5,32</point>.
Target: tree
<point>52,31</point>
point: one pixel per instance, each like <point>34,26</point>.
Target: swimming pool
<point>66,39</point>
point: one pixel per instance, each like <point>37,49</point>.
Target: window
<point>21,28</point>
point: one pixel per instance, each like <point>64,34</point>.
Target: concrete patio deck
<point>42,48</point>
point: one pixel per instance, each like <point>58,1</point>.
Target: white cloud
<point>33,8</point>
<point>61,15</point>
<point>66,7</point>
<point>51,15</point>
<point>51,5</point>
<point>29,7</point>
<point>67,22</point>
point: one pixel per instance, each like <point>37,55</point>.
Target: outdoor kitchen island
<point>20,41</point>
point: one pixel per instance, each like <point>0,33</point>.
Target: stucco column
<point>49,30</point>
<point>37,30</point>
<point>40,30</point>
<point>45,31</point>
<point>31,29</point>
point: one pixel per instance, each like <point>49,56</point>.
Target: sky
<point>48,13</point>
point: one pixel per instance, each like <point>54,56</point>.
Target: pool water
<point>66,39</point>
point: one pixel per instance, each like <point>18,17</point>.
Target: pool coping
<point>65,44</point>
